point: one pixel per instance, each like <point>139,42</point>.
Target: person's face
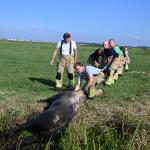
<point>106,45</point>
<point>79,69</point>
<point>112,44</point>
<point>67,40</point>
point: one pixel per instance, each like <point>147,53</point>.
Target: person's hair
<point>99,50</point>
<point>111,40</point>
<point>66,35</point>
<point>123,48</point>
<point>78,64</point>
<point>105,41</point>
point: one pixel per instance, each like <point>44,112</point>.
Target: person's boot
<point>58,83</point>
<point>109,81</point>
<point>126,67</point>
<point>91,92</point>
<point>116,76</point>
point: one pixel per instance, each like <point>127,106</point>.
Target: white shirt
<point>66,47</point>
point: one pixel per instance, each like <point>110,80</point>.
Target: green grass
<point>117,120</point>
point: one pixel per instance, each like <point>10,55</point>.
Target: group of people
<point>103,66</point>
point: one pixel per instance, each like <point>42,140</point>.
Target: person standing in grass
<point>67,58</point>
<point>92,75</point>
<point>126,57</point>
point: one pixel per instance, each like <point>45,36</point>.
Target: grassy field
<point>117,120</point>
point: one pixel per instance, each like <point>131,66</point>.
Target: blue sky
<point>126,21</point>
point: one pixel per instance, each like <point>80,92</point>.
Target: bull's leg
<point>11,132</point>
<point>19,128</point>
<point>24,142</point>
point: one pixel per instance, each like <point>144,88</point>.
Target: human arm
<point>55,52</point>
<point>89,83</point>
<point>75,55</point>
<point>108,63</point>
<point>54,55</point>
<point>77,88</point>
<point>75,51</point>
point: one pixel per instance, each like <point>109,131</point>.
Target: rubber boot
<point>116,76</point>
<point>91,92</point>
<point>109,81</point>
<point>126,67</point>
<point>58,83</point>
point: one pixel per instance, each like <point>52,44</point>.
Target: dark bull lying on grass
<point>59,112</point>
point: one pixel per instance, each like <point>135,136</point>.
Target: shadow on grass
<point>49,83</point>
<point>43,81</point>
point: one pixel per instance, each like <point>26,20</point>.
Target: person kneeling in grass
<point>115,62</point>
<point>96,58</point>
<point>92,75</point>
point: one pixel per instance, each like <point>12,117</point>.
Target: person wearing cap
<point>67,57</point>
